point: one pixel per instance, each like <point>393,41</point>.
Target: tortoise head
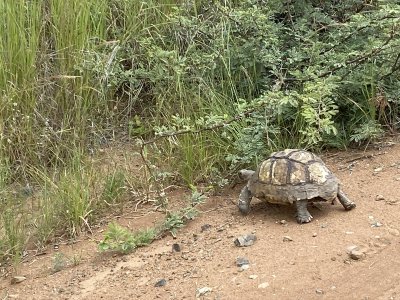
<point>246,174</point>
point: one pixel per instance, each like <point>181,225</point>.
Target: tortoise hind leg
<point>345,201</point>
<point>302,215</point>
<point>244,200</point>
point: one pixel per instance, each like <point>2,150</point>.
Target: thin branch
<point>394,68</point>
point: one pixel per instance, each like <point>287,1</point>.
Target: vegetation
<point>120,239</point>
<point>205,86</point>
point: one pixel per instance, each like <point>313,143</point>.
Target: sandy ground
<point>315,264</point>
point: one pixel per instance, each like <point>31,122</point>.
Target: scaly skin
<point>345,201</point>
<point>244,200</point>
<point>302,215</point>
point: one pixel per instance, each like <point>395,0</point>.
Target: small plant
<point>173,222</point>
<point>177,219</point>
<point>60,261</point>
<point>120,239</point>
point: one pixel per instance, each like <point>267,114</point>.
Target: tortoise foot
<point>350,206</point>
<point>304,219</point>
<point>244,209</point>
<point>302,215</point>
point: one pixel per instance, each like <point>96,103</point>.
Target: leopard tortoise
<point>292,176</point>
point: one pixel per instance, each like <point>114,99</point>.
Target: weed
<point>120,239</point>
<point>60,262</point>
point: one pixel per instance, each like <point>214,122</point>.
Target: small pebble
<point>202,291</point>
<point>376,224</point>
<point>287,238</point>
<point>161,282</point>
<point>17,279</point>
<point>241,261</point>
<point>205,227</point>
<point>176,248</point>
<point>263,285</point>
<point>314,234</point>
<point>355,252</point>
<point>283,222</point>
<point>253,276</point>
<point>245,240</point>
<point>392,201</point>
<point>379,198</point>
<point>244,268</point>
<point>394,231</point>
<point>319,291</point>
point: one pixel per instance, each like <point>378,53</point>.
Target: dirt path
<point>314,265</point>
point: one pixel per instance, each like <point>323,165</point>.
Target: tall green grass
<point>53,107</point>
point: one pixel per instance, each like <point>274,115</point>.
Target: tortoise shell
<point>291,175</point>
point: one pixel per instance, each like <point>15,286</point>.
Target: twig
<point>365,157</point>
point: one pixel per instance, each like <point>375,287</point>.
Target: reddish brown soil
<point>315,265</point>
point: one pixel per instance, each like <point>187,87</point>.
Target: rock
<point>176,248</point>
<point>241,261</point>
<point>287,238</point>
<point>205,227</point>
<point>379,198</point>
<point>377,170</point>
<point>202,291</point>
<point>393,231</point>
<point>245,240</point>
<point>392,201</point>
<point>263,285</point>
<point>355,252</point>
<point>376,224</point>
<point>253,276</point>
<point>17,279</point>
<point>161,282</point>
<point>314,234</point>
<point>319,291</point>
<point>244,268</point>
<point>283,222</point>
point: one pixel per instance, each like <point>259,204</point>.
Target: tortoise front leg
<point>302,215</point>
<point>345,201</point>
<point>244,200</point>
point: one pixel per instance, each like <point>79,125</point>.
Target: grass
<point>52,109</point>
